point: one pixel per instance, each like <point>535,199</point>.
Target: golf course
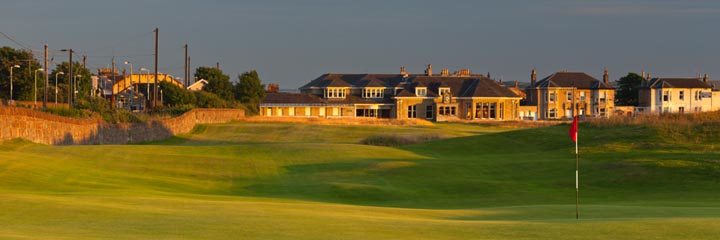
<point>259,180</point>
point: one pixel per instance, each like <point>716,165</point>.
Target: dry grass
<point>689,127</point>
<point>395,140</point>
<point>511,124</point>
<point>340,121</point>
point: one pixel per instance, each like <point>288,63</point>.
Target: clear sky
<point>292,42</point>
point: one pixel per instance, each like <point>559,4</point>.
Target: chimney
<point>428,70</point>
<point>606,77</point>
<point>648,76</point>
<point>705,79</point>
<point>533,77</point>
<point>402,70</point>
<point>517,84</point>
<point>643,74</point>
<point>444,72</point>
<point>488,76</point>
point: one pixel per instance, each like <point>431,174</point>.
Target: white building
<point>677,95</point>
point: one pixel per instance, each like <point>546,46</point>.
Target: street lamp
<point>11,86</point>
<point>35,88</point>
<point>56,89</point>
<point>76,87</point>
<point>131,77</point>
<point>147,71</point>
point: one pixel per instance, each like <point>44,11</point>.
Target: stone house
<point>436,97</point>
<point>563,95</point>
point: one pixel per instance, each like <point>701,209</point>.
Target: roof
<point>577,80</point>
<point>715,84</point>
<point>677,83</point>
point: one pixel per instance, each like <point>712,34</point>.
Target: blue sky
<point>293,42</point>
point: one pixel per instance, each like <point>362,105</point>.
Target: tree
<point>23,77</point>
<point>628,90</point>
<point>174,95</point>
<point>249,89</point>
<point>218,82</point>
<point>83,81</point>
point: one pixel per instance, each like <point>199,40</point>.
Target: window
<point>411,111</point>
<point>492,110</point>
<point>682,95</point>
<point>552,113</point>
<point>447,111</point>
<point>698,109</point>
<point>442,91</point>
<point>551,97</point>
<point>421,92</point>
<point>697,96</point>
<point>429,112</point>
<point>602,112</point>
<point>666,96</point>
<point>582,96</point>
<point>502,111</point>
<point>334,93</point>
<point>681,109</point>
<point>569,96</point>
<point>603,96</point>
<point>374,93</point>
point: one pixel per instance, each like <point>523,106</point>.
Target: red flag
<point>573,129</point>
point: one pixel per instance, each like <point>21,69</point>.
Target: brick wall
<point>51,129</point>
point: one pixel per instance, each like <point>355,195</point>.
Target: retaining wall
<point>51,129</point>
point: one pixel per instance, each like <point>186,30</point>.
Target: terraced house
<point>437,97</point>
<point>564,94</point>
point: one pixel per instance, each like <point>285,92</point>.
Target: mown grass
<point>306,181</point>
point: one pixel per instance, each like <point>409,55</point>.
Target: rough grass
<point>395,140</point>
<point>305,181</point>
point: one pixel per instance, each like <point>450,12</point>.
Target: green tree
<point>249,89</point>
<point>218,82</point>
<point>175,96</point>
<point>628,90</point>
<point>23,77</point>
<point>209,100</point>
<point>82,76</point>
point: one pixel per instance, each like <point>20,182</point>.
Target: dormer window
<point>373,93</point>
<point>334,93</point>
<point>443,90</point>
<point>420,91</point>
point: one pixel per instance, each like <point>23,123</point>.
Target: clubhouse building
<point>435,97</point>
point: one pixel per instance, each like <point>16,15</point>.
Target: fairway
<point>247,180</point>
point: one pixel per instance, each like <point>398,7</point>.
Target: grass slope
<point>303,181</point>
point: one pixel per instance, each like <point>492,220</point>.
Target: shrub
<point>209,100</point>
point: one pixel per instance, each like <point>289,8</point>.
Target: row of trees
<point>23,78</point>
<point>248,89</point>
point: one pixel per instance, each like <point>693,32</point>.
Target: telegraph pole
<point>186,65</point>
<point>46,78</point>
<point>155,88</point>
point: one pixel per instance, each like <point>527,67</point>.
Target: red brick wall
<point>51,129</point>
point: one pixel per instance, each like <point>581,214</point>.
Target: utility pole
<point>186,65</point>
<point>217,65</point>
<point>69,76</point>
<point>155,88</point>
<point>46,78</point>
<point>188,80</point>
<point>84,58</point>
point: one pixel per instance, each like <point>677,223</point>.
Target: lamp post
<point>76,87</point>
<point>56,89</point>
<point>131,90</point>
<point>147,95</point>
<point>70,67</point>
<point>11,77</point>
<point>35,88</point>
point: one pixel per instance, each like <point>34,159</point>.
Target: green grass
<point>301,181</point>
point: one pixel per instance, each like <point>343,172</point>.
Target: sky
<point>293,42</point>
